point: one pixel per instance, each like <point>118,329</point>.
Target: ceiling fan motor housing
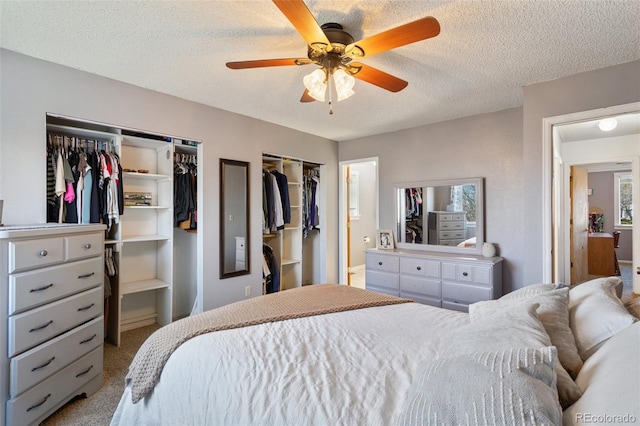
<point>334,56</point>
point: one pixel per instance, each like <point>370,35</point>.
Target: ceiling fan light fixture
<point>315,84</point>
<point>608,124</point>
<point>344,84</point>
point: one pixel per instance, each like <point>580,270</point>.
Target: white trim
<point>547,189</point>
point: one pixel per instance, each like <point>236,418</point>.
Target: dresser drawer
<point>466,273</point>
<point>465,293</point>
<point>422,300</point>
<point>451,234</point>
<point>36,402</point>
<point>31,328</point>
<point>420,267</point>
<point>35,253</point>
<point>34,288</point>
<point>381,262</point>
<point>455,306</point>
<point>382,279</point>
<point>81,246</point>
<point>452,226</point>
<point>33,366</point>
<point>420,286</point>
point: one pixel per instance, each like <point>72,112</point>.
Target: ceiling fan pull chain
<point>330,74</point>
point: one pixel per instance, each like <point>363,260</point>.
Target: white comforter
<point>346,368</point>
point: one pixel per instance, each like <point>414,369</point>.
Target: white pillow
<point>531,290</point>
<point>504,387</point>
<point>554,315</point>
<point>596,314</point>
<point>610,382</point>
<point>515,326</point>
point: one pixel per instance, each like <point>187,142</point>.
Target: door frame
<point>343,247</point>
<point>555,192</point>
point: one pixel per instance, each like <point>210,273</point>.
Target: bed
<point>517,360</point>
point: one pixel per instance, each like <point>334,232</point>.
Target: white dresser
<point>51,322</point>
<point>444,280</point>
<point>447,228</point>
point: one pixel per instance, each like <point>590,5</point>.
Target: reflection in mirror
<point>441,215</point>
<point>234,218</point>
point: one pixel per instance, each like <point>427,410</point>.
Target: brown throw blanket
<point>306,301</point>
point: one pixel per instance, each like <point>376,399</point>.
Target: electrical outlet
<point>247,291</point>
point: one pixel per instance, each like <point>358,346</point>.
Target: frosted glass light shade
<point>315,84</point>
<point>344,84</point>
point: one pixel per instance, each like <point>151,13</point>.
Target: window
<point>463,198</point>
<point>623,199</point>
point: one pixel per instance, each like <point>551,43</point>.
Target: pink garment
<point>69,196</point>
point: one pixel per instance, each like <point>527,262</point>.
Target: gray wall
<point>505,148</point>
<point>486,145</point>
<point>602,184</point>
<point>605,87</point>
<point>31,88</point>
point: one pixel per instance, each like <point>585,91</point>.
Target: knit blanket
<point>147,365</point>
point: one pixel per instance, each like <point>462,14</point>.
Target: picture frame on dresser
<point>384,239</point>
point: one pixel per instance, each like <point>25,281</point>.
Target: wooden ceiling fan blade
<point>378,78</point>
<point>260,63</point>
<point>405,34</point>
<point>306,97</point>
<point>302,19</point>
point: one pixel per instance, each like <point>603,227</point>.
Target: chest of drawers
<point>50,318</point>
<point>437,279</point>
<point>447,228</point>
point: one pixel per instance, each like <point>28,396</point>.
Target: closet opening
<point>143,187</point>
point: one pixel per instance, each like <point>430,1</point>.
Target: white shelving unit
<point>145,238</point>
<point>287,243</point>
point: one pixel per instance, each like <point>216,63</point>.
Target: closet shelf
<point>270,235</point>
<point>142,238</point>
<point>289,261</point>
<point>149,176</point>
<point>144,285</point>
<point>109,242</point>
<point>292,228</point>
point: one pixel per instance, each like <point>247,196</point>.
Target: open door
<point>348,225</point>
<point>579,237</point>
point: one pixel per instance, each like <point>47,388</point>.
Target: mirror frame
<point>223,214</point>
<point>480,237</point>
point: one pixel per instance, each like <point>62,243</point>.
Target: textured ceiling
<point>485,53</point>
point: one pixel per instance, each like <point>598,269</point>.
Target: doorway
<point>598,150</point>
<point>358,217</point>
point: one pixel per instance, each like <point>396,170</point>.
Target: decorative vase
<point>488,250</point>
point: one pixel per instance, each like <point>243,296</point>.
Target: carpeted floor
<point>97,410</point>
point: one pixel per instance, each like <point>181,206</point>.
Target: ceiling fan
<point>335,51</point>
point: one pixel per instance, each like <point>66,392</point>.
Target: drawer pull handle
<point>464,274</point>
<point>419,268</point>
<point>40,403</point>
<point>41,327</point>
<point>380,263</point>
<point>86,275</point>
<point>85,371</point>
<point>87,246</point>
<point>43,253</point>
<point>43,365</point>
<point>88,340</point>
<point>33,290</point>
<point>86,307</point>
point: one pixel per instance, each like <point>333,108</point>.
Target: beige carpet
<point>98,409</point>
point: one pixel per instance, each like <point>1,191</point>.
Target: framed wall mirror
<point>446,216</point>
<point>234,218</point>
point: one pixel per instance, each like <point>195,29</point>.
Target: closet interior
<point>291,223</point>
<point>142,186</point>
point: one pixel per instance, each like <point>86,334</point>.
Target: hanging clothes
<point>274,209</point>
<point>84,185</point>
<point>310,211</point>
<point>185,191</point>
<point>272,278</point>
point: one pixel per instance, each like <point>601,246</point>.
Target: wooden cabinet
<point>436,279</point>
<point>53,329</point>
<point>602,256</point>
